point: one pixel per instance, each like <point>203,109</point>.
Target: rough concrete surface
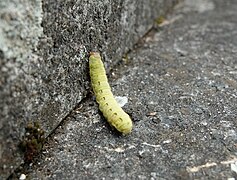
<point>43,53</point>
<point>181,82</point>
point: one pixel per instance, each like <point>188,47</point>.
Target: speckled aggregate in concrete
<point>43,58</point>
<point>181,84</point>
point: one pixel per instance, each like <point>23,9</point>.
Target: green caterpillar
<point>104,97</point>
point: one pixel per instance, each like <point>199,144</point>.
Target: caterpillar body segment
<point>104,97</point>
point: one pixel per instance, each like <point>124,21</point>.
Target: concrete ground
<point>181,85</point>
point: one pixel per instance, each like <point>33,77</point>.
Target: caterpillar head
<point>94,55</point>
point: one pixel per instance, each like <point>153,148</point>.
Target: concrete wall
<point>44,49</point>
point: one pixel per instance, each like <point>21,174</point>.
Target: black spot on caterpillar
<point>104,97</point>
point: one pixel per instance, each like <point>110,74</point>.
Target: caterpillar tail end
<point>126,129</point>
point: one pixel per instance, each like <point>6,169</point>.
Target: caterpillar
<point>110,109</point>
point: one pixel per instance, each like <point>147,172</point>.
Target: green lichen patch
<point>159,20</point>
<point>32,142</point>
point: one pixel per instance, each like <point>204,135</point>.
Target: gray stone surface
<point>19,35</point>
<point>43,58</point>
<point>181,84</point>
